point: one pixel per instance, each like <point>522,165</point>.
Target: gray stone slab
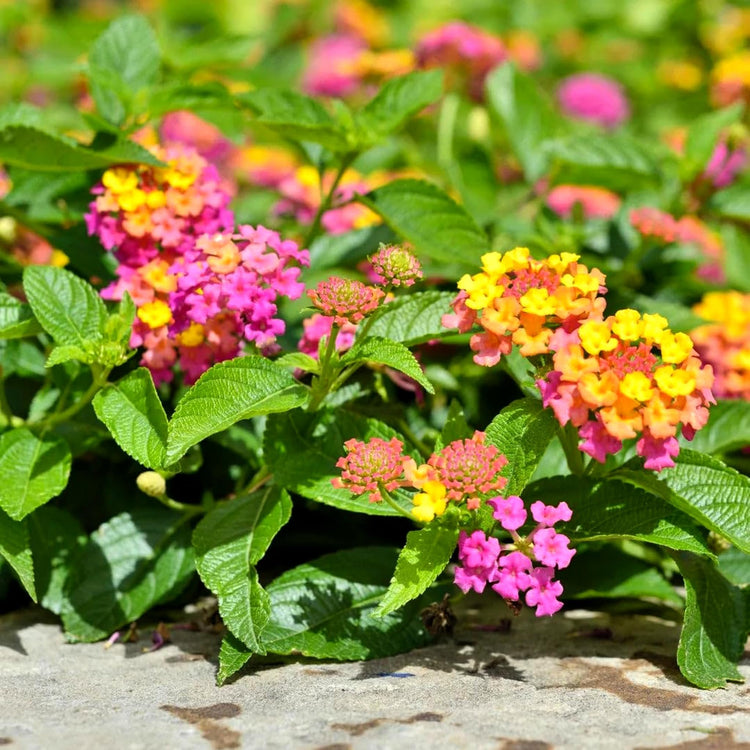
<point>578,680</point>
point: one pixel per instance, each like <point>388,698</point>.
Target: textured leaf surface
<point>426,553</point>
<point>16,550</point>
<point>133,413</point>
<point>715,626</point>
<point>414,318</point>
<point>521,431</point>
<point>233,655</point>
<point>68,308</point>
<point>33,471</point>
<point>734,564</point>
<point>324,609</point>
<point>391,354</point>
<point>227,393</point>
<point>16,318</point>
<point>727,429</point>
<point>228,543</point>
<point>431,220</point>
<point>129,564</point>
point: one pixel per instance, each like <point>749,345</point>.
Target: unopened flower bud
<point>152,484</point>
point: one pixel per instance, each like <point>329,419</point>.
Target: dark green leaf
<point>735,566</point>
<point>455,427</point>
<point>227,393</point>
<point>133,413</point>
<point>16,550</point>
<point>233,655</point>
<point>727,429</point>
<point>391,354</point>
<point>414,318</point>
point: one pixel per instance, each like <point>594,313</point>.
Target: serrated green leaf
<point>399,99</point>
<point>227,393</point>
<point>612,509</point>
<point>16,550</point>
<point>301,450</point>
<point>69,353</point>
<point>704,488</point>
<point>228,544</point>
<point>299,360</point>
<point>431,220</point>
<point>56,536</point>
<point>68,308</point>
<point>33,471</point>
<point>734,565</point>
<point>528,118</point>
<point>16,318</point>
<point>122,61</point>
<point>133,413</point>
<point>727,429</point>
<point>715,626</point>
<point>298,117</point>
<point>391,354</point>
<point>414,318</point>
<point>233,655</point>
<point>129,564</point>
<point>521,432</point>
<point>615,161</point>
<point>324,609</point>
<point>703,136</point>
<point>426,553</point>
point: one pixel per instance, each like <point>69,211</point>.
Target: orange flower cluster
<point>518,300</point>
<point>725,342</point>
<point>610,384</point>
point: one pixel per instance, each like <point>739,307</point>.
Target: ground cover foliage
<point>338,310</point>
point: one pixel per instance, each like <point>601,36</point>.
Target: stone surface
<point>582,680</point>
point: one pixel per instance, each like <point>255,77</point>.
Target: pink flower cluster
<point>594,98</point>
<point>595,202</point>
<point>510,568</point>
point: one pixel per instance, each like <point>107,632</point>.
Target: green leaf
<point>615,161</point>
<point>727,429</point>
<point>70,353</point>
<point>735,566</point>
<point>391,354</point>
<point>611,509</point>
<point>455,427</point>
<point>528,117</point>
<point>610,573</point>
<point>521,431</point>
<point>122,61</point>
<point>426,553</point>
<point>68,308</point>
<point>16,318</point>
<point>233,655</point>
<point>15,549</point>
<point>399,99</point>
<point>227,393</point>
<point>733,203</point>
<point>413,318</point>
<point>56,537</point>
<point>301,450</point>
<point>736,256</point>
<point>431,220</point>
<point>299,360</point>
<point>703,136</point>
<point>704,488</point>
<point>133,413</point>
<point>715,627</point>
<point>33,471</point>
<point>129,564</point>
<point>298,117</point>
<point>228,544</point>
<point>324,609</point>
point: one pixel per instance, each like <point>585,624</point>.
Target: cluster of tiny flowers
<point>317,327</point>
<point>724,343</point>
<point>595,202</point>
<point>345,300</point>
<point>371,467</point>
<point>594,98</point>
<point>689,230</point>
<point>608,382</point>
<point>394,265</point>
<point>519,300</point>
<point>510,569</point>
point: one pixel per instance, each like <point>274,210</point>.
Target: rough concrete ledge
<point>582,680</point>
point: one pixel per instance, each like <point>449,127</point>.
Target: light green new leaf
<point>227,393</point>
<point>33,470</point>
<point>715,626</point>
<point>413,318</point>
<point>70,353</point>
<point>15,549</point>
<point>521,432</point>
<point>68,308</point>
<point>233,655</point>
<point>388,353</point>
<point>431,220</point>
<point>426,553</point>
<point>228,544</point>
<point>16,318</point>
<point>324,608</point>
<point>131,563</point>
<point>133,413</point>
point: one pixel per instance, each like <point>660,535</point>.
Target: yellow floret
<point>628,325</point>
<point>120,180</point>
<point>674,382</point>
<point>559,263</point>
<point>193,336</point>
<point>675,347</point>
<point>131,200</point>
<point>538,302</point>
<point>636,385</point>
<point>156,199</point>
<point>429,503</point>
<point>155,314</point>
<point>654,326</point>
<point>596,337</point>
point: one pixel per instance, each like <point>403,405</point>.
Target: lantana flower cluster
<point>518,300</point>
<point>724,343</point>
<point>594,98</point>
<point>628,376</point>
<point>595,202</point>
<point>510,568</point>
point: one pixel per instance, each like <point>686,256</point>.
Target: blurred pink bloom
<point>594,98</point>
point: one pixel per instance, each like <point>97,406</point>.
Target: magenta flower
<point>549,515</point>
<point>543,592</point>
<point>509,511</point>
<point>345,300</point>
<point>594,98</point>
<point>551,548</point>
<point>512,575</point>
<point>477,550</point>
<point>370,465</point>
<point>394,265</point>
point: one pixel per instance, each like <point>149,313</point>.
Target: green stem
<point>322,384</point>
<point>190,510</point>
<point>569,440</point>
<point>5,409</point>
<point>387,497</point>
<point>446,128</point>
<point>262,476</point>
<point>99,379</point>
